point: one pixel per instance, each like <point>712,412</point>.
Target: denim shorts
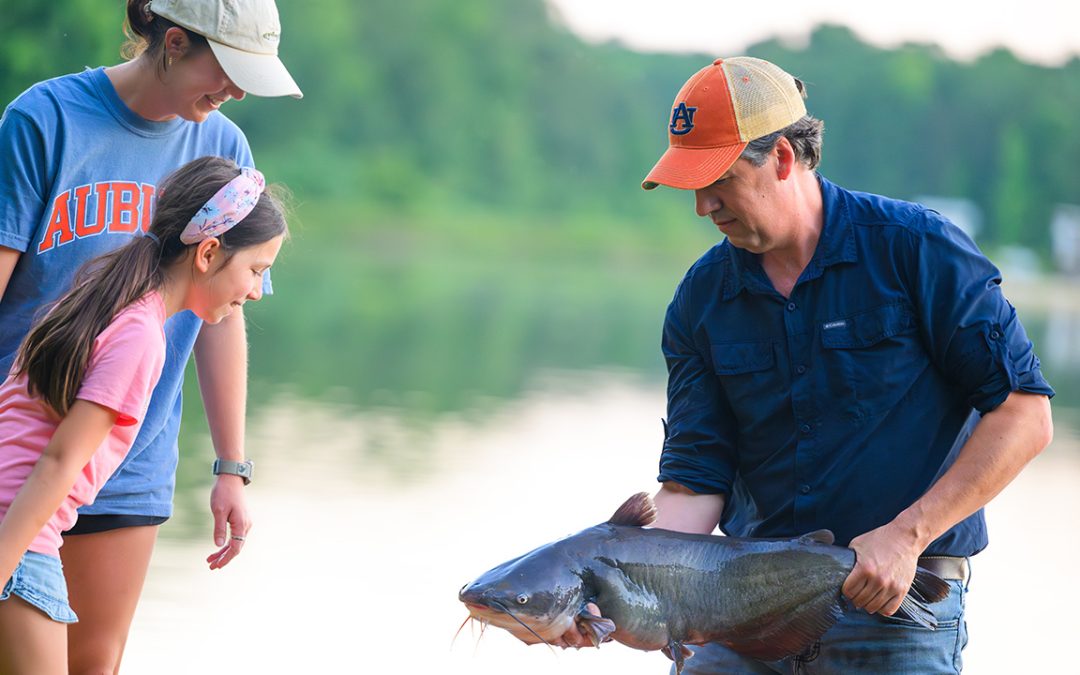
<point>860,643</point>
<point>39,580</point>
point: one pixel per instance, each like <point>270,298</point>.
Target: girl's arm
<point>8,258</point>
<point>221,362</point>
<point>76,439</point>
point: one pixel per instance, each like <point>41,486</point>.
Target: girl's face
<point>198,86</point>
<point>223,286</point>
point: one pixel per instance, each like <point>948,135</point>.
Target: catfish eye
<point>522,599</point>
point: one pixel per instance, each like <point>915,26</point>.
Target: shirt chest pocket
<point>871,358</point>
<point>747,372</point>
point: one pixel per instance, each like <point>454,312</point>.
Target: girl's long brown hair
<point>56,351</point>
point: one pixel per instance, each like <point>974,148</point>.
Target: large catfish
<point>662,590</point>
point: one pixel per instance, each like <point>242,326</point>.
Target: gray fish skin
<point>767,599</point>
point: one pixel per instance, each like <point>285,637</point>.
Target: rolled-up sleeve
<point>971,331</point>
<point>699,446</point>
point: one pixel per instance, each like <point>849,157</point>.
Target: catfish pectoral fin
<point>677,652</point>
<point>596,628</point>
<point>931,587</point>
<point>927,588</point>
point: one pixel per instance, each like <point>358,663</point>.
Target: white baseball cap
<point>244,36</point>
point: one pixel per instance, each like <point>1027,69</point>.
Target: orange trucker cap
<point>720,109</point>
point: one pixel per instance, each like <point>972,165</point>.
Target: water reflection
<point>354,564</point>
<point>427,423</point>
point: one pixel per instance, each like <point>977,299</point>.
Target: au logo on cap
<point>683,116</point>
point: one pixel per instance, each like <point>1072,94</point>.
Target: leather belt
<point>947,567</point>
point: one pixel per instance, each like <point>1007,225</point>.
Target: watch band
<point>245,469</point>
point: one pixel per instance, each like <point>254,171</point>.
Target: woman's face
<point>197,86</point>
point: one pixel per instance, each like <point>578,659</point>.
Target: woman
<point>80,156</point>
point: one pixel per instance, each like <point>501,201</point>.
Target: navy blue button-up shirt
<point>839,406</point>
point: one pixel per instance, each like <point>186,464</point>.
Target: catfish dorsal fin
<point>818,537</point>
<point>638,511</point>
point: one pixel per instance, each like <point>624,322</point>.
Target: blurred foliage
<point>437,104</point>
<point>467,175</point>
<point>467,178</point>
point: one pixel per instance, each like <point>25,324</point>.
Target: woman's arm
<point>221,362</point>
<point>76,439</point>
<point>8,259</point>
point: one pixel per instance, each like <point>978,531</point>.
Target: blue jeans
<point>859,643</point>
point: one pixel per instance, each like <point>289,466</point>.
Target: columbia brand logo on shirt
<point>834,324</point>
<point>90,210</point>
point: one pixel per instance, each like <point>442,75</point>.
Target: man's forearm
<point>681,509</point>
<point>1002,444</point>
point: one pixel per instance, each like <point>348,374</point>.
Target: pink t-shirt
<point>124,367</point>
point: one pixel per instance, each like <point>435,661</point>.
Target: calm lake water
<point>373,508</point>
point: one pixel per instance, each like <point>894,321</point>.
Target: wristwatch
<point>245,469</point>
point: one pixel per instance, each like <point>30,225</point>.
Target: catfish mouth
<point>497,614</point>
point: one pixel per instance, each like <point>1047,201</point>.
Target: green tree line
<point>435,104</point>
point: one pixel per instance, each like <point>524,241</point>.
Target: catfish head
<point>537,596</point>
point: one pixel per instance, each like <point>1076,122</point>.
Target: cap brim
<point>692,168</point>
<point>257,74</point>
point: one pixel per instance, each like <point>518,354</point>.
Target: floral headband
<point>229,205</point>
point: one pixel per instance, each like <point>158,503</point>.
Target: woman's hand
<point>231,519</point>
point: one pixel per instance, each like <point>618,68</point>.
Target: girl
<point>80,158</point>
<point>81,382</point>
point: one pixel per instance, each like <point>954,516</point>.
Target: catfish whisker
<point>458,631</point>
<point>503,608</point>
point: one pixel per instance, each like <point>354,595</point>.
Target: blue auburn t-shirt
<point>839,406</point>
<point>77,179</point>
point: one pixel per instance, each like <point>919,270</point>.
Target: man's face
<point>744,206</point>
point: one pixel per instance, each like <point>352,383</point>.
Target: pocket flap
<point>742,357</point>
<point>866,328</point>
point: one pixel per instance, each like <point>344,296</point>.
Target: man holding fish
<point>842,361</point>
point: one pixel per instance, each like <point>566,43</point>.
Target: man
<point>841,361</point>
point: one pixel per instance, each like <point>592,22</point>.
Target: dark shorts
<point>88,524</point>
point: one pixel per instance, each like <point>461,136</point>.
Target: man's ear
<point>785,158</point>
<point>206,252</point>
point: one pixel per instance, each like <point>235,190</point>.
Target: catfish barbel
<point>768,599</point>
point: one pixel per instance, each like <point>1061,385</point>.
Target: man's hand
<point>885,562</point>
<point>573,637</point>
<point>231,520</point>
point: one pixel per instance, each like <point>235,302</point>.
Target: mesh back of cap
<point>765,98</point>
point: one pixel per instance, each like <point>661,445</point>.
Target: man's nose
<point>705,202</point>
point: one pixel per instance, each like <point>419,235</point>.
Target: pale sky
<point>1040,31</point>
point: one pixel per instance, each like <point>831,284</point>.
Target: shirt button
<point>791,307</point>
<point>800,369</point>
<point>994,335</point>
<point>805,428</point>
<point>804,489</point>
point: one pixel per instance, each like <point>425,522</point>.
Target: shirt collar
<point>836,245</point>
